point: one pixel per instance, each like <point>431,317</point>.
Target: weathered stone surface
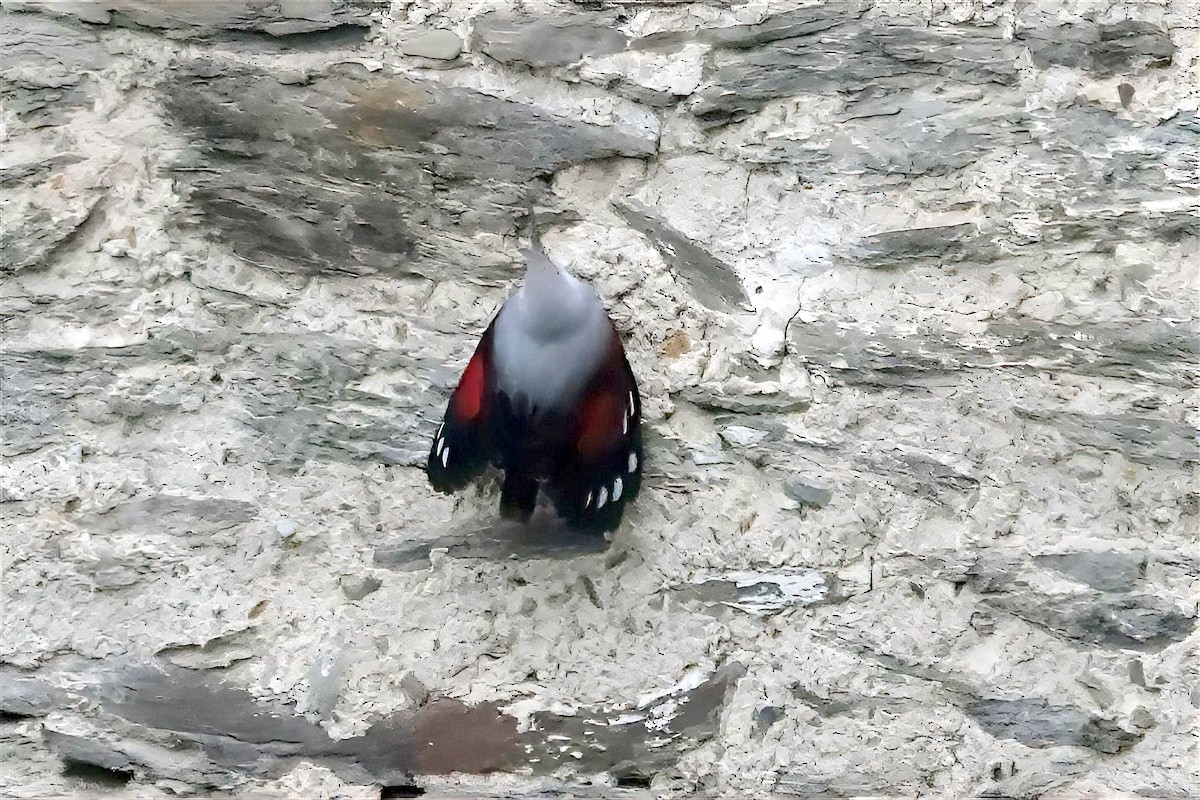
<point>824,50</point>
<point>1107,571</point>
<point>546,42</point>
<point>1162,352</point>
<point>443,45</point>
<point>909,290</point>
<point>714,283</point>
<point>1104,49</point>
<point>1039,724</point>
<point>1104,604</point>
<point>238,734</point>
<point>189,19</point>
<point>375,173</point>
<point>45,75</point>
<point>46,65</point>
<point>25,695</point>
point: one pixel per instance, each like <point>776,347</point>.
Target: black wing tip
<point>440,483</point>
<point>440,480</point>
<point>454,460</point>
<point>449,481</point>
<point>590,504</point>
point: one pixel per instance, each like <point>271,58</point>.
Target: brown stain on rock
<point>452,737</point>
<point>239,732</point>
<point>677,343</point>
<point>390,113</point>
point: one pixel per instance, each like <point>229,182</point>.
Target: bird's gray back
<point>546,354</point>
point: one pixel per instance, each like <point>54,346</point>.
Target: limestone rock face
<point>911,292</point>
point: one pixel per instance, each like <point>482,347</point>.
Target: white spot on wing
<point>632,462</point>
<point>445,456</point>
<point>602,498</point>
<point>439,431</point>
<point>588,502</point>
<point>440,444</point>
<point>618,487</point>
<point>625,425</point>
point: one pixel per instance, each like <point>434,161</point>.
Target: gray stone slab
<point>1159,351</point>
<point>546,40</point>
<point>712,281</point>
<point>359,173</point>
<point>825,51</point>
<point>203,19</point>
<point>440,44</point>
<point>1101,49</point>
<point>1036,723</point>
<point>240,735</point>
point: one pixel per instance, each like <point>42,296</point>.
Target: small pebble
<point>117,248</point>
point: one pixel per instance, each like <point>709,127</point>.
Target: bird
<point>549,398</point>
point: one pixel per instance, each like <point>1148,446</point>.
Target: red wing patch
<point>461,446</point>
<point>603,471</point>
<point>600,424</point>
<point>468,397</point>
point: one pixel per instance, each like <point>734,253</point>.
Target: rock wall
<point>910,289</point>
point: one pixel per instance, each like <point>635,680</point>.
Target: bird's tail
<point>518,496</point>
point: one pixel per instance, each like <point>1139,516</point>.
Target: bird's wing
<point>461,447</point>
<point>602,465</point>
